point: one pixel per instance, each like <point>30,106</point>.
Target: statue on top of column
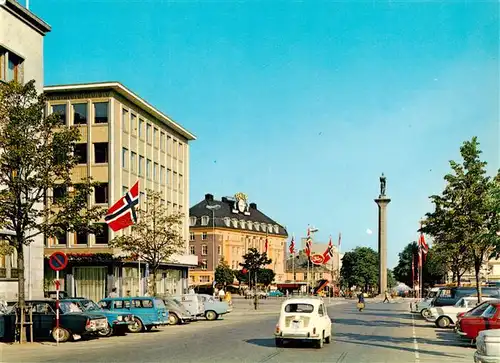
<point>382,185</point>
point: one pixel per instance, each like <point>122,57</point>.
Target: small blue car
<point>148,312</point>
<point>214,308</point>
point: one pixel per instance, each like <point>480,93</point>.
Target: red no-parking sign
<point>58,261</point>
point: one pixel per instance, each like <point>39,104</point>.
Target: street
<point>381,333</point>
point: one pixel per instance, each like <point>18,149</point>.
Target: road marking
<point>415,342</point>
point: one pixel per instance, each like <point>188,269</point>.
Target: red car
<point>482,317</point>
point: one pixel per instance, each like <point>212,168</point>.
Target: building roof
<point>27,16</point>
<point>227,212</point>
<point>125,92</point>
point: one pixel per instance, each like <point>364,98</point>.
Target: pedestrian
<point>361,301</point>
<point>386,297</point>
<point>221,294</point>
<point>113,292</point>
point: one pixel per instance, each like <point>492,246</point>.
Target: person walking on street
<point>386,297</point>
<point>221,294</point>
<point>361,301</point>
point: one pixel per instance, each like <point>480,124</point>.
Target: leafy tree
<point>240,276</point>
<point>435,268</point>
<point>402,272</point>
<point>465,210</point>
<point>360,268</point>
<point>265,276</point>
<point>254,261</point>
<point>223,273</point>
<point>391,281</point>
<point>36,158</point>
<point>156,237</point>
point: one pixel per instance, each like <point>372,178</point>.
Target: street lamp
<point>213,208</point>
<point>311,231</point>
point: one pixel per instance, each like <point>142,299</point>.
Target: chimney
<point>253,205</point>
<point>209,197</point>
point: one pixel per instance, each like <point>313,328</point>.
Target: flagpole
<point>140,280</point>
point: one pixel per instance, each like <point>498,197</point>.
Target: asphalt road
<point>381,333</point>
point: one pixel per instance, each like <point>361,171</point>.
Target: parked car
<point>450,296</point>
<point>303,319</point>
<point>177,313</point>
<point>445,316</point>
<point>193,303</point>
<point>118,322</point>
<point>73,321</point>
<point>471,325</point>
<point>420,306</point>
<point>476,311</point>
<point>213,307</point>
<point>488,347</point>
<point>275,293</point>
<point>149,312</point>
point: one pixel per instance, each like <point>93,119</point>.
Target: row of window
<point>238,224</point>
<point>174,207</point>
<point>100,193</point>
<point>154,171</point>
<point>82,238</point>
<point>80,113</point>
<point>204,250</point>
<point>101,152</point>
<point>153,135</point>
<point>11,66</point>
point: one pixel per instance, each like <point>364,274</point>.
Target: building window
<point>227,221</point>
<point>169,173</point>
<point>101,193</point>
<point>191,238</point>
<point>204,265</point>
<point>102,236</point>
<point>242,224</point>
<point>249,225</point>
<point>257,226</point>
<point>235,223</point>
<point>142,199</point>
<point>204,278</point>
<point>58,193</point>
<point>192,250</point>
<point>263,227</point>
<point>11,66</point>
<point>169,145</point>
<point>148,133</point>
<point>60,238</point>
<point>175,181</point>
<point>192,221</point>
<point>133,123</point>
<point>204,250</point>
<point>101,152</point>
<point>155,172</point>
<point>81,153</point>
<point>155,137</point>
<point>174,149</point>
<point>148,169</point>
<point>181,183</point>
<point>219,250</point>
<point>141,129</point>
<point>276,229</point>
<point>204,220</point>
<point>180,151</point>
<point>124,158</point>
<point>125,123</point>
<point>162,141</point>
<point>133,161</point>
<point>82,238</point>
<point>101,112</point>
<point>162,174</point>
<point>60,110</point>
<point>79,114</point>
<point>141,165</point>
<point>204,236</point>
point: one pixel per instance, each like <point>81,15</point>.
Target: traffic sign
<point>58,261</point>
<point>317,259</point>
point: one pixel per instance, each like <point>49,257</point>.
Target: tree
<point>240,276</point>
<point>391,281</point>
<point>465,210</point>
<point>156,237</point>
<point>223,273</point>
<point>265,276</point>
<point>402,272</point>
<point>254,261</point>
<point>360,268</point>
<point>37,158</point>
<point>435,268</point>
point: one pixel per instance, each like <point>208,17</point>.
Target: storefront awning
<point>296,285</point>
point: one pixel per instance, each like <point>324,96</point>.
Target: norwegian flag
<point>423,248</point>
<point>340,239</point>
<point>292,246</point>
<point>266,245</point>
<point>308,243</point>
<point>328,254</point>
<point>122,214</point>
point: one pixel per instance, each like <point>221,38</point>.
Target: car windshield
<point>159,303</point>
<point>299,308</point>
<point>478,310</point>
<point>177,302</point>
<point>88,305</point>
<point>489,312</point>
<point>69,307</point>
<point>461,303</point>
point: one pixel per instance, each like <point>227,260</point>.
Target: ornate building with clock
<point>226,229</point>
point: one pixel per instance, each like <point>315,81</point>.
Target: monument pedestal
<point>382,202</point>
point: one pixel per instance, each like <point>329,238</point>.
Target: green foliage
<point>156,237</point>
<point>265,276</point>
<point>360,268</point>
<point>223,274</point>
<point>37,156</point>
<point>391,281</point>
<point>464,220</point>
<point>254,261</point>
<point>402,272</point>
<point>240,276</point>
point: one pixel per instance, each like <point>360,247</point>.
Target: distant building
<point>21,59</point>
<point>237,226</point>
<point>124,139</point>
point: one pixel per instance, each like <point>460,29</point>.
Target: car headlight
<point>120,318</point>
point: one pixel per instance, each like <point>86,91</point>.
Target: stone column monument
<point>382,202</point>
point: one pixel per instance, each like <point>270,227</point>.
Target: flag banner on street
<point>308,243</point>
<point>340,239</point>
<point>328,254</point>
<point>123,213</point>
<point>292,246</point>
<point>266,245</point>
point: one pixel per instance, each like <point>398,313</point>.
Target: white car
<point>488,347</point>
<point>444,316</point>
<point>303,319</point>
<point>424,304</point>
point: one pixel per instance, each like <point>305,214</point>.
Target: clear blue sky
<point>301,105</point>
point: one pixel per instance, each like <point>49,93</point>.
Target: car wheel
<point>328,339</point>
<point>173,319</point>
<point>137,327</point>
<point>211,315</point>
<point>425,313</point>
<point>278,342</point>
<point>319,342</point>
<point>60,334</point>
<point>149,327</point>
<point>443,322</point>
<point>106,332</point>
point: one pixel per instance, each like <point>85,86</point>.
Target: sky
<point>302,105</point>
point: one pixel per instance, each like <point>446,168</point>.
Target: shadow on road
<point>270,343</point>
<point>371,323</point>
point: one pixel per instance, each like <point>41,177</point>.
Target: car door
<point>43,319</point>
<point>322,318</point>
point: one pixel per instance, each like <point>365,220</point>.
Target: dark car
<point>73,322</point>
<point>117,322</point>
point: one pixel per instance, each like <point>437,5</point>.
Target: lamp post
<point>213,208</point>
<point>312,230</point>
